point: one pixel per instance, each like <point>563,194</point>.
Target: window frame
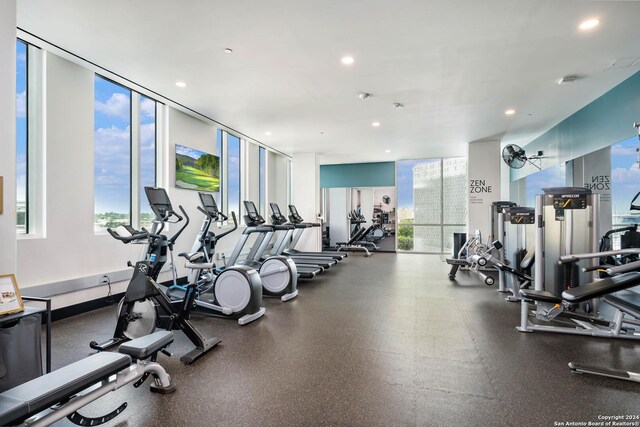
<point>27,213</point>
<point>135,145</point>
<point>441,225</point>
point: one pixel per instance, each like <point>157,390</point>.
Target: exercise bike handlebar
<point>139,235</point>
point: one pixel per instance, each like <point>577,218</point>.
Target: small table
<point>7,319</point>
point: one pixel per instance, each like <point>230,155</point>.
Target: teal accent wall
<point>382,174</point>
<point>605,121</point>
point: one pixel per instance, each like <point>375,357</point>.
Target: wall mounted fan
<point>515,157</point>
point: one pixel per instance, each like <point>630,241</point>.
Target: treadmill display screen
<point>252,212</point>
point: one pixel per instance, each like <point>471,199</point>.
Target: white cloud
<point>147,137</point>
<point>21,57</point>
<point>21,104</point>
<point>626,176</point>
<point>110,180</point>
<point>118,105</point>
<point>148,108</point>
<point>617,150</point>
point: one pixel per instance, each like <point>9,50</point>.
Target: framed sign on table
<point>10,300</point>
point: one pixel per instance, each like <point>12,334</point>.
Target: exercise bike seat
<point>144,347</point>
<point>543,296</point>
<point>602,287</point>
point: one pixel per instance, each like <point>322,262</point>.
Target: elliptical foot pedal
<point>248,318</point>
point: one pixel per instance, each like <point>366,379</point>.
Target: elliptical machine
<point>279,274</point>
<point>234,292</point>
<point>145,306</point>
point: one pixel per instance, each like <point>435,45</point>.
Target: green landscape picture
<point>196,170</point>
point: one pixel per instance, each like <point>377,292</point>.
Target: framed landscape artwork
<point>10,301</point>
<point>197,170</point>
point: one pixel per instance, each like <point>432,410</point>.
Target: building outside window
<point>432,203</point>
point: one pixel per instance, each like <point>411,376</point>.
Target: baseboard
<point>84,307</point>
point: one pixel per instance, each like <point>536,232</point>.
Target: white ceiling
<point>455,64</point>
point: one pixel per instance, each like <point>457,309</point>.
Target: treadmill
<point>256,222</point>
<point>285,244</point>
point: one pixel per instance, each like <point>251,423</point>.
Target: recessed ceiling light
<point>321,133</point>
<point>375,124</point>
<point>364,95</point>
<point>387,151</point>
<point>397,105</point>
<point>347,60</point>
<point>181,84</point>
<point>268,133</point>
<point>510,112</point>
<point>228,50</point>
<point>589,24</point>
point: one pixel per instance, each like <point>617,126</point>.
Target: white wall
<point>306,197</point>
<point>70,248</point>
<point>253,178</point>
<point>277,180</point>
<point>8,135</point>
<point>483,173</point>
<point>593,171</point>
<point>339,206</point>
<point>193,133</point>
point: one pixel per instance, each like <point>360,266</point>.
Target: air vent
<point>568,79</point>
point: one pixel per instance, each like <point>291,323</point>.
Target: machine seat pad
<point>25,400</point>
<point>199,265</point>
<point>144,347</point>
<point>602,287</point>
<point>543,296</point>
<point>625,306</point>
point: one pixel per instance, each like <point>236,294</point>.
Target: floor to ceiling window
<point>22,205</point>
<point>233,174</point>
<point>625,181</point>
<point>432,203</point>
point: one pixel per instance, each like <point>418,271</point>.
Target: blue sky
<point>625,174</point>
<point>405,182</point>
<point>262,155</point>
<point>112,139</point>
<point>546,178</point>
<point>21,120</point>
<point>191,152</point>
<point>233,173</point>
<point>112,135</point>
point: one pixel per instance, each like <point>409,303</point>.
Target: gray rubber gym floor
<point>386,340</point>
